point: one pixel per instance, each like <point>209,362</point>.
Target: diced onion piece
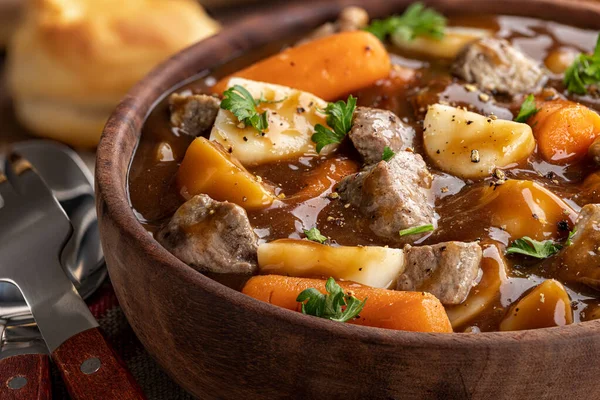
<point>292,119</point>
<point>470,145</point>
<point>207,168</point>
<point>547,305</point>
<point>373,266</point>
<point>448,47</point>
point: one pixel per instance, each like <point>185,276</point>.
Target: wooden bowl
<point>218,343</point>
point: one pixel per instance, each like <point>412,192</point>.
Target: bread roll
<point>10,14</point>
<point>71,61</point>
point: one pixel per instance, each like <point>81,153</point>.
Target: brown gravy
<point>154,197</point>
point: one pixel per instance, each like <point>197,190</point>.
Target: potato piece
<point>485,294</point>
<point>455,138</point>
<point>373,266</point>
<point>207,168</point>
<point>547,305</point>
<point>330,67</point>
<point>564,130</point>
<point>291,125</point>
<point>524,208</point>
<point>454,40</point>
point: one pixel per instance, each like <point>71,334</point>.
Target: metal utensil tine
<point>44,226</point>
<point>25,179</point>
<point>7,193</point>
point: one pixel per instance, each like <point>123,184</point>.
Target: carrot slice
<point>564,130</point>
<point>390,309</point>
<point>328,68</point>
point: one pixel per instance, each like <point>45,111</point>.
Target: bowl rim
<point>130,115</point>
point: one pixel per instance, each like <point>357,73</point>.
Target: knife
<point>35,230</point>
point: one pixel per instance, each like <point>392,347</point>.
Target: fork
<point>33,232</point>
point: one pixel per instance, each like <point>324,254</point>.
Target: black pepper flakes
<point>563,225</point>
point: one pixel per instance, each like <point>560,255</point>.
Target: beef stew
<point>477,209</point>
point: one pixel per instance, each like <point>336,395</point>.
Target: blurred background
<point>65,64</point>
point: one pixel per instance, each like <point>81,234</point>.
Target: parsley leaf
<point>387,154</point>
<point>584,71</point>
<point>528,109</point>
<point>570,237</point>
<point>339,117</point>
<point>533,248</point>
<point>240,102</point>
<point>417,20</point>
<point>416,229</point>
<point>334,305</point>
<point>315,235</point>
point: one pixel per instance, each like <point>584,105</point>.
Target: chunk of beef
<point>495,65</point>
<point>580,262</point>
<point>350,19</point>
<point>446,270</point>
<point>373,130</point>
<point>211,236</point>
<point>193,114</point>
<point>394,195</point>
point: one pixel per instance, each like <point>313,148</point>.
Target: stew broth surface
<point>154,196</point>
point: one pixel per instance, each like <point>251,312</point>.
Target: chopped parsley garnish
<point>335,305</point>
<point>570,237</point>
<point>339,117</point>
<point>262,100</point>
<point>533,248</point>
<point>240,102</point>
<point>417,20</point>
<point>416,229</point>
<point>528,109</point>
<point>387,154</point>
<point>315,235</point>
<point>584,71</point>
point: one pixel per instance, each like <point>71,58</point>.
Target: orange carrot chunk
<point>564,130</point>
<point>390,309</point>
<point>328,68</point>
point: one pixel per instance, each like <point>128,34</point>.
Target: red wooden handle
<point>25,377</point>
<point>92,370</point>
